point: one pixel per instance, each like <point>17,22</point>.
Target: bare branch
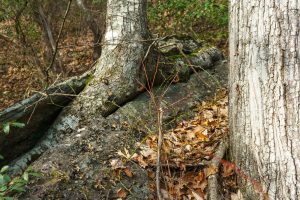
<point>58,38</point>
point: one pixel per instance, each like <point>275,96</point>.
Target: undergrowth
<point>202,19</point>
<point>12,185</point>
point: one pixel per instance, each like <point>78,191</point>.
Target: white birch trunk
<point>265,96</point>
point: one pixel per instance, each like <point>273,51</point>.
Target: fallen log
<point>37,113</point>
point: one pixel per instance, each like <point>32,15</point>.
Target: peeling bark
<point>265,96</point>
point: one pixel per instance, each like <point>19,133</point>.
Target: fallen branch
<point>159,148</point>
<point>213,185</point>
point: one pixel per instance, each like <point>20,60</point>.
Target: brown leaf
<point>197,196</point>
<point>201,137</point>
<point>228,170</point>
<point>200,177</point>
<point>141,161</point>
<point>199,129</point>
<point>211,170</point>
<point>237,196</point>
<point>121,193</point>
<point>165,194</point>
<point>116,164</point>
<point>128,172</point>
<point>190,135</point>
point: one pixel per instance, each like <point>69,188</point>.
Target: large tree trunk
<point>265,97</point>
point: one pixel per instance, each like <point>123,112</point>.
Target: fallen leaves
<point>121,193</point>
<point>191,141</point>
<point>211,170</point>
<point>128,172</point>
<point>186,152</point>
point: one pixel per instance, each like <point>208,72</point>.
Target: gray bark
<point>265,96</point>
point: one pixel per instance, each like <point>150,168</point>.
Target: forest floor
<point>187,153</point>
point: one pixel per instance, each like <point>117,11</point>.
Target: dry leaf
<point>121,193</point>
<point>141,161</point>
<point>146,152</point>
<point>165,194</point>
<point>188,147</point>
<point>237,196</point>
<point>199,129</point>
<point>201,137</point>
<point>128,172</point>
<point>190,135</point>
<point>126,154</point>
<point>117,164</point>
<point>228,170</point>
<point>211,170</point>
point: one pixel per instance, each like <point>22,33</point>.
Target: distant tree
<point>265,97</point>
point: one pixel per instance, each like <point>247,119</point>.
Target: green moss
<point>89,79</point>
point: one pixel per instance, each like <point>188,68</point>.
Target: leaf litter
<point>186,153</point>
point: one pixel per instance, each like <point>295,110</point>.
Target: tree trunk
<point>265,97</point>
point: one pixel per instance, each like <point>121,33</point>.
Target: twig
<point>57,40</point>
<point>107,195</point>
<point>159,148</point>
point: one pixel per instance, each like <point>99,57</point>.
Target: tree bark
<point>265,97</point>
